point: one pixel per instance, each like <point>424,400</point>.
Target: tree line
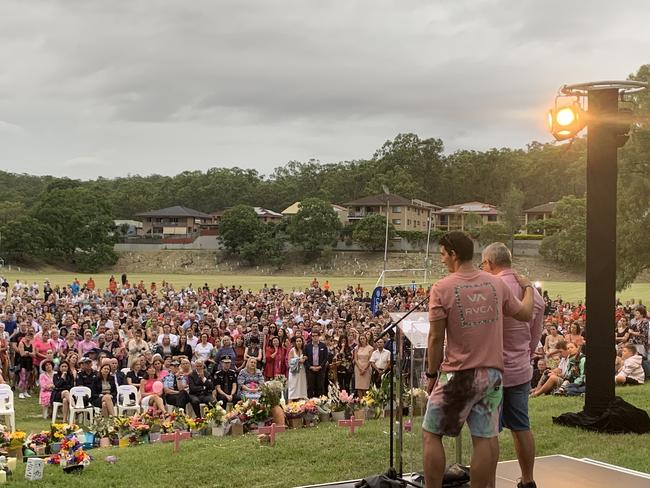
<point>59,218</point>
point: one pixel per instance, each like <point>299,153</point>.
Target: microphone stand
<point>390,330</point>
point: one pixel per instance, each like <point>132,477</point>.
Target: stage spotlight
<point>565,122</point>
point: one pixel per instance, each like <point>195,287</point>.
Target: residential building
<point>404,213</point>
<point>264,214</point>
<point>462,215</point>
<point>173,221</point>
<point>342,212</point>
<point>539,212</point>
<point>128,228</point>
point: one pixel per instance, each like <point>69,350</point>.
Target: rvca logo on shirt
<point>477,304</point>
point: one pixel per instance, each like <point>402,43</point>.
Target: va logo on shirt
<point>477,304</point>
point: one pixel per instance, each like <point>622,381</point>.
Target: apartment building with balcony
<point>404,213</point>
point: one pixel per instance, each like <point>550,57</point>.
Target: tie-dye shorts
<point>472,395</point>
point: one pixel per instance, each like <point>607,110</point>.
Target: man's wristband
<point>431,376</point>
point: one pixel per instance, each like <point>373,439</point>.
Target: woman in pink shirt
<point>85,346</point>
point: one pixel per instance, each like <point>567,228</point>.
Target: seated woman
<point>574,381</point>
<point>63,381</point>
<point>134,376</point>
<point>104,390</point>
<point>250,380</point>
<point>46,385</point>
<point>631,370</point>
<point>148,396</point>
<point>553,378</point>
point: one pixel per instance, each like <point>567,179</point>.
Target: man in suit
<point>316,364</point>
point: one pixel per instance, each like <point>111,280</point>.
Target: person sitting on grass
<point>631,370</point>
<point>553,378</point>
<point>574,382</point>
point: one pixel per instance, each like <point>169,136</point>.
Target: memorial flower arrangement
<point>310,407</point>
<point>323,405</point>
<point>196,424</point>
<point>294,409</point>
<point>59,431</point>
<point>38,442</point>
<point>11,440</point>
<point>72,456</point>
<point>215,414</point>
<point>271,393</point>
<point>238,414</point>
<point>340,400</point>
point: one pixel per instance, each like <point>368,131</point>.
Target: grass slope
<point>572,291</point>
<point>321,454</point>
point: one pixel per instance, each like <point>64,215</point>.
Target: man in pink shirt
<point>520,340</point>
<point>465,378</point>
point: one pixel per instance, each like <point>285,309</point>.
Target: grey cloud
<point>149,83</point>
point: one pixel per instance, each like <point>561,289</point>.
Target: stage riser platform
<point>556,472</point>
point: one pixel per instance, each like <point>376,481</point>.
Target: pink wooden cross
<point>177,441</point>
<point>351,424</point>
<point>271,430</point>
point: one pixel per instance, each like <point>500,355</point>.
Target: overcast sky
<point>108,88</point>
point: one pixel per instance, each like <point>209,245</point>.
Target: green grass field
<point>320,454</point>
<point>572,291</point>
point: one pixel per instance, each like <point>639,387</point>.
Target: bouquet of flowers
<point>323,405</point>
<point>417,397</point>
<point>294,409</point>
<point>38,442</point>
<point>72,456</point>
<point>102,427</point>
<point>59,431</point>
<point>138,428</point>
<point>375,399</point>
<point>238,414</point>
<point>121,426</point>
<point>196,424</point>
<point>310,407</point>
<point>259,412</point>
<point>215,414</point>
<point>336,404</point>
<point>271,393</point>
<point>11,440</point>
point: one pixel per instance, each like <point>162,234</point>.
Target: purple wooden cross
<point>351,424</point>
<point>271,430</point>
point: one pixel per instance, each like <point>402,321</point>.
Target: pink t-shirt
<point>520,338</point>
<point>474,304</point>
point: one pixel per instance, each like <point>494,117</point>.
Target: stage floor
<point>558,472</point>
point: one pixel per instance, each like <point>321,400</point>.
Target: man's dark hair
<point>460,243</point>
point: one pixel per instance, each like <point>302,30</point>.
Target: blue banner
<point>376,299</point>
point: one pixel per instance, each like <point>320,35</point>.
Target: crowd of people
<point>559,360</point>
<point>203,344</point>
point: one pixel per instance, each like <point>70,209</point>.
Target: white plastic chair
<point>125,393</point>
<point>55,410</point>
<point>5,386</point>
<point>7,407</point>
<point>77,396</point>
<point>126,370</point>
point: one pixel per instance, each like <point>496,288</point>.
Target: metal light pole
<point>426,253</point>
<point>607,132</point>
<point>383,274</point>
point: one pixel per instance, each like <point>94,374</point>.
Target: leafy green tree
<point>239,225</point>
<point>568,244</point>
<point>24,239</point>
<point>267,247</point>
<point>512,208</point>
<point>81,220</point>
<point>314,228</point>
<point>370,232</point>
<point>493,232</point>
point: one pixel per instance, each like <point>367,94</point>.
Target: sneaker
<point>27,395</point>
<point>21,396</point>
<point>530,484</point>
